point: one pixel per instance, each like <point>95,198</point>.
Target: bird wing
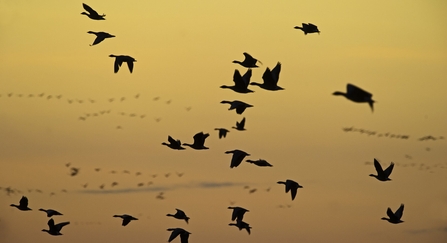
<point>171,140</point>
<point>390,214</point>
<point>275,73</point>
<point>60,225</point>
<point>246,78</point>
<point>388,170</point>
<point>98,39</point>
<point>249,59</point>
<point>267,77</point>
<point>89,9</point>
<point>51,223</point>
<point>184,237</point>
<point>199,138</point>
<point>355,91</point>
<point>293,191</point>
<point>378,167</point>
<point>240,109</point>
<point>117,65</point>
<point>238,79</point>
<point>130,65</point>
<point>174,234</point>
<point>126,221</point>
<point>242,123</point>
<point>23,201</point>
<point>399,212</point>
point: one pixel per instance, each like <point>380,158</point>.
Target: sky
<point>63,107</point>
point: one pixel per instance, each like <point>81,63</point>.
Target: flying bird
<point>100,36</point>
<point>240,106</point>
<point>50,212</point>
<point>308,28</point>
<point>126,218</point>
<point>238,213</point>
<point>222,132</point>
<point>173,144</point>
<point>270,78</point>
<point>184,235</point>
<point>238,156</point>
<point>199,140</point>
<point>240,82</point>
<point>23,204</point>
<point>249,61</point>
<point>241,225</point>
<point>240,125</point>
<point>92,13</point>
<point>54,229</point>
<point>356,94</point>
<point>291,186</point>
<point>179,215</point>
<point>395,218</point>
<point>119,59</point>
<point>259,162</point>
<point>382,175</point>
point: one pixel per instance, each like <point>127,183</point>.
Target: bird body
<point>356,94</point>
<point>291,186</point>
<point>199,140</point>
<point>271,78</point>
<point>259,162</point>
<point>23,204</point>
<point>241,225</point>
<point>382,175</point>
<point>50,212</point>
<point>222,132</point>
<point>179,215</point>
<point>100,36</point>
<point>92,13</point>
<point>238,156</point>
<point>240,82</point>
<point>395,218</point>
<point>308,28</point>
<point>119,59</point>
<point>173,144</point>
<point>239,106</point>
<point>240,125</point>
<point>126,218</point>
<point>54,229</point>
<point>249,61</point>
<point>184,235</point>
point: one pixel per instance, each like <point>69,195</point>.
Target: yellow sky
<point>184,52</point>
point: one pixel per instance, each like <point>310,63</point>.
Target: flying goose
<point>240,125</point>
<point>238,213</point>
<point>54,229</point>
<point>179,215</point>
<point>240,106</point>
<point>308,28</point>
<point>259,162</point>
<point>126,218</point>
<point>50,212</point>
<point>92,13</point>
<point>238,156</point>
<point>100,36</point>
<point>222,132</point>
<point>291,186</point>
<point>242,225</point>
<point>199,140</point>
<point>382,175</point>
<point>356,94</point>
<point>173,144</point>
<point>240,82</point>
<point>184,235</point>
<point>395,217</point>
<point>119,59</point>
<point>249,61</point>
<point>270,79</point>
<point>23,204</point>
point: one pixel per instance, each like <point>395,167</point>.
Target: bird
<point>238,213</point>
<point>395,218</point>
<point>92,13</point>
<point>173,144</point>
<point>249,61</point>
<point>259,162</point>
<point>222,132</point>
<point>238,156</point>
<point>270,78</point>
<point>308,28</point>
<point>240,125</point>
<point>119,59</point>
<point>356,94</point>
<point>240,106</point>
<point>50,212</point>
<point>184,235</point>
<point>291,186</point>
<point>199,140</point>
<point>100,36</point>
<point>54,229</point>
<point>179,215</point>
<point>126,218</point>
<point>240,82</point>
<point>23,204</point>
<point>382,175</point>
<point>242,225</point>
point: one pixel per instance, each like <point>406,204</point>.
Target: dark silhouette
<point>240,125</point>
<point>54,229</point>
<point>126,218</point>
<point>238,156</point>
<point>120,59</point>
<point>291,186</point>
<point>50,212</point>
<point>259,162</point>
<point>356,94</point>
<point>179,215</point>
<point>240,82</point>
<point>238,213</point>
<point>395,217</point>
<point>184,235</point>
<point>241,225</point>
<point>92,13</point>
<point>199,140</point>
<point>308,28</point>
<point>23,204</point>
<point>270,79</point>
<point>382,175</point>
<point>249,61</point>
<point>173,144</point>
<point>236,104</point>
<point>222,132</point>
<point>100,36</point>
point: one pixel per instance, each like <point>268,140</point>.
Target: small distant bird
<point>114,184</point>
<point>291,186</point>
<point>50,212</point>
<point>238,213</point>
<point>356,94</point>
<point>308,28</point>
<point>160,196</point>
<point>119,59</point>
<point>259,162</point>
<point>126,218</point>
<point>382,175</point>
<point>240,82</point>
<point>100,36</point>
<point>74,171</point>
<point>54,229</point>
<point>23,204</point>
<point>249,61</point>
<point>241,225</point>
<point>179,215</point>
<point>222,132</point>
<point>199,140</point>
<point>238,156</point>
<point>270,79</point>
<point>173,144</point>
<point>240,125</point>
<point>395,218</point>
<point>92,13</point>
<point>184,235</point>
<point>240,106</point>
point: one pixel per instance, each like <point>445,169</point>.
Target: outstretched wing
<point>378,167</point>
<point>388,170</point>
<point>89,9</point>
<point>399,212</point>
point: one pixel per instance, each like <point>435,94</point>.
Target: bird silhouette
<point>199,140</point>
<point>222,132</point>
<point>173,144</point>
<point>240,82</point>
<point>241,225</point>
<point>238,156</point>
<point>240,125</point>
<point>119,59</point>
<point>92,13</point>
<point>179,215</point>
<point>23,204</point>
<point>259,162</point>
<point>126,218</point>
<point>291,186</point>
<point>356,94</point>
<point>100,36</point>
<point>382,175</point>
<point>249,61</point>
<point>184,235</point>
<point>50,212</point>
<point>308,28</point>
<point>270,79</point>
<point>54,229</point>
<point>238,213</point>
<point>239,106</point>
<point>395,218</point>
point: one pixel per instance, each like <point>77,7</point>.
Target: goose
<point>100,36</point>
<point>54,229</point>
<point>395,217</point>
<point>50,212</point>
<point>92,13</point>
<point>249,61</point>
<point>240,125</point>
<point>308,28</point>
<point>240,106</point>
<point>356,94</point>
<point>199,140</point>
<point>291,186</point>
<point>240,82</point>
<point>270,78</point>
<point>23,204</point>
<point>119,59</point>
<point>179,215</point>
<point>241,225</point>
<point>222,132</point>
<point>173,144</point>
<point>382,175</point>
<point>259,162</point>
<point>126,218</point>
<point>184,235</point>
<point>238,213</point>
<point>238,156</point>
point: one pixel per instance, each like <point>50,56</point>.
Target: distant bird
<point>382,175</point>
<point>395,218</point>
<point>308,28</point>
<point>173,144</point>
<point>259,162</point>
<point>114,184</point>
<point>179,215</point>
<point>50,212</point>
<point>357,94</point>
<point>240,125</point>
<point>238,156</point>
<point>160,196</point>
<point>126,218</point>
<point>291,186</point>
<point>241,225</point>
<point>249,61</point>
<point>119,59</point>
<point>240,106</point>
<point>238,213</point>
<point>74,171</point>
<point>23,204</point>
<point>100,36</point>
<point>240,82</point>
<point>184,235</point>
<point>54,229</point>
<point>92,13</point>
<point>222,132</point>
<point>270,79</point>
<point>199,140</point>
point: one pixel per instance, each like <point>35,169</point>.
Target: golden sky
<point>61,102</point>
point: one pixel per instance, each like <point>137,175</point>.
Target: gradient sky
<point>184,50</point>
